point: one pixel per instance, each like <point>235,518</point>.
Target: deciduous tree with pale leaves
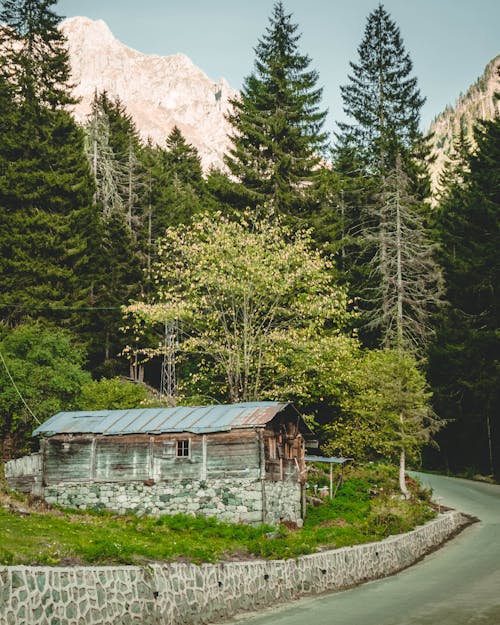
<point>248,294</point>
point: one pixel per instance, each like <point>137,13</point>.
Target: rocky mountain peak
<point>480,102</point>
<point>159,92</point>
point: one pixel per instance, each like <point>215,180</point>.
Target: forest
<point>314,269</point>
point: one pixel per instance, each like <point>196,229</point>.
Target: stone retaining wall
<point>187,594</point>
<point>243,500</point>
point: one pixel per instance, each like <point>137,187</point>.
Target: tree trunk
<point>490,446</point>
<point>402,474</point>
<point>399,269</point>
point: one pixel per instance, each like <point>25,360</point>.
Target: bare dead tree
<point>409,285</point>
<point>119,181</point>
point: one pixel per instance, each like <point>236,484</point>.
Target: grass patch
<point>366,508</point>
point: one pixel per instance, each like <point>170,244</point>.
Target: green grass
<point>366,508</point>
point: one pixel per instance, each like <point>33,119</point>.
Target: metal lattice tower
<point>168,382</point>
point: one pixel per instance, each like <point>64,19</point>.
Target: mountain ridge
<point>481,101</point>
<point>158,92</point>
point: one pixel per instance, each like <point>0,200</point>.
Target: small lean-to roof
<point>327,459</point>
<point>195,419</point>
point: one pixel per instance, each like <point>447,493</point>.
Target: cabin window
<point>183,448</point>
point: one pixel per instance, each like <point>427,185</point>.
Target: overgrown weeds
<point>367,507</point>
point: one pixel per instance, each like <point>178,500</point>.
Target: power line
<point>18,391</point>
<point>74,308</point>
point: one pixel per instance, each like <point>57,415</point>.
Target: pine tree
<point>112,148</point>
<point>177,184</point>
<point>108,172</point>
<point>46,191</point>
<point>114,153</point>
<point>392,266</point>
<point>183,160</point>
<point>125,143</point>
<point>277,140</point>
<point>408,283</point>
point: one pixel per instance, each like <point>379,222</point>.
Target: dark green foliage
<point>46,194</point>
<point>182,160</point>
<point>46,366</point>
<point>278,138</point>
<point>464,364</point>
<point>119,279</point>
<point>177,184</point>
<point>380,157</point>
<point>34,57</point>
<point>114,154</point>
<point>382,98</point>
<point>123,133</point>
<point>46,188</point>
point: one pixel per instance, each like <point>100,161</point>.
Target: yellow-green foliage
<point>251,294</point>
<point>108,394</point>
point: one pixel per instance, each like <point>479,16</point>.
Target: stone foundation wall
<point>233,500</point>
<point>283,500</point>
<point>187,594</point>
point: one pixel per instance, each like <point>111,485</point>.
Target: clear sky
<point>449,41</point>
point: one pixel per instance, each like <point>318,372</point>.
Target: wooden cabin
<point>239,462</point>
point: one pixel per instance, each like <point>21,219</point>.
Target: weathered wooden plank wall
<point>234,453</point>
<point>22,473</point>
<point>143,457</point>
<point>68,461</point>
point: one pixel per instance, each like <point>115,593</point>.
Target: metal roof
<point>328,459</point>
<point>196,419</point>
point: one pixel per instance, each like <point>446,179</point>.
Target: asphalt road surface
<point>457,585</point>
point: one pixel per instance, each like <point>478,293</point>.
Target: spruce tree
<point>277,139</point>
<point>382,98</point>
<point>381,155</point>
<point>408,284</point>
<point>113,151</point>
<point>35,58</point>
<point>109,173</point>
<point>177,184</point>
<point>46,191</point>
<point>183,160</point>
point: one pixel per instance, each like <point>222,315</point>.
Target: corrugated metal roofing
<point>196,419</point>
<point>328,459</point>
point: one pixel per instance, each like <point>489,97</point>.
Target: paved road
<point>457,585</point>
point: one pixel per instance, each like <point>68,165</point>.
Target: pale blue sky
<point>449,41</point>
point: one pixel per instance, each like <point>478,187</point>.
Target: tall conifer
<point>46,192</point>
<point>383,149</point>
<point>382,98</point>
<point>34,52</point>
<point>464,361</point>
<point>277,121</point>
<point>113,151</point>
